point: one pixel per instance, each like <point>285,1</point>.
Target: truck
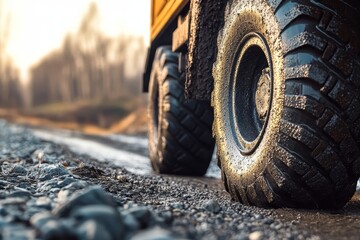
<point>274,84</point>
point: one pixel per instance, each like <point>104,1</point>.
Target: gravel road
<point>62,185</point>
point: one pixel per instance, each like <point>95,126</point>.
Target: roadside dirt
<point>133,123</point>
<point>341,224</point>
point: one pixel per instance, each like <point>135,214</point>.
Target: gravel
<point>48,192</point>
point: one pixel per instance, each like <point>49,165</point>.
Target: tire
<point>180,138</point>
<point>304,152</point>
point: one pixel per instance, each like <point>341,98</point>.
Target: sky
<point>39,26</point>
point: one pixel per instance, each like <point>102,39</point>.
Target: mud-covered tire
<point>309,154</point>
<point>180,139</point>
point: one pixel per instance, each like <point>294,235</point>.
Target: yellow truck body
<point>162,13</point>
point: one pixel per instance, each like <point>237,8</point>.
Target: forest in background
<point>98,73</point>
<point>10,86</point>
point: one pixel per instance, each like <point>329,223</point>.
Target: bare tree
<point>10,86</point>
<point>89,65</point>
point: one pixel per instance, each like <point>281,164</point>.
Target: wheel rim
<point>251,92</point>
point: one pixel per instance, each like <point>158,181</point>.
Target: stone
<point>51,171</point>
<point>43,202</point>
<point>20,193</point>
<point>91,196</point>
<point>63,196</point>
<point>47,172</point>
<point>257,235</point>
<point>104,215</point>
<point>4,183</point>
<point>155,233</point>
<point>178,205</point>
<point>141,214</point>
<point>131,223</point>
<point>3,194</point>
<point>76,185</point>
<point>65,182</point>
<point>58,229</point>
<point>212,206</point>
<point>38,156</point>
<point>41,218</point>
<point>13,201</point>
<point>19,170</point>
<point>91,230</point>
<point>17,232</point>
<point>165,217</point>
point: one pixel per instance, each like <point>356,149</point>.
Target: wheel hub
<point>262,96</point>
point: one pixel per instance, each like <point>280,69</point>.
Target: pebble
<point>4,183</point>
<point>258,235</point>
<point>19,170</point>
<point>21,193</point>
<point>58,229</point>
<point>90,230</point>
<point>212,206</point>
<point>38,156</point>
<point>130,222</point>
<point>51,171</point>
<point>76,185</point>
<point>43,202</point>
<point>65,182</point>
<point>178,205</point>
<point>107,216</point>
<point>141,214</point>
<point>92,196</point>
<point>155,233</point>
<point>41,218</point>
<point>13,201</point>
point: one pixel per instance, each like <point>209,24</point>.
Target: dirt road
<point>194,208</point>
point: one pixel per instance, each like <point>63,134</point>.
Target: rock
<point>43,202</point>
<point>12,201</point>
<point>4,183</point>
<point>6,168</point>
<point>3,194</point>
<point>12,232</point>
<point>91,230</point>
<point>141,214</point>
<point>40,219</point>
<point>212,206</point>
<point>63,196</point>
<point>51,171</point>
<point>91,196</point>
<point>76,185</point>
<point>258,235</point>
<point>164,217</point>
<point>106,216</point>
<point>38,156</point>
<point>153,234</point>
<point>19,170</point>
<point>131,223</point>
<point>65,182</point>
<point>58,229</point>
<point>47,172</point>
<point>20,193</point>
<point>178,205</point>
<point>3,211</point>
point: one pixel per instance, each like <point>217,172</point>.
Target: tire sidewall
<point>155,89</point>
<point>245,17</point>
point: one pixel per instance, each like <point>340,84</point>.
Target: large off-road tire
<point>180,139</point>
<point>287,102</point>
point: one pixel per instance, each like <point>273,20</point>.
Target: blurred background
<point>74,64</point>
